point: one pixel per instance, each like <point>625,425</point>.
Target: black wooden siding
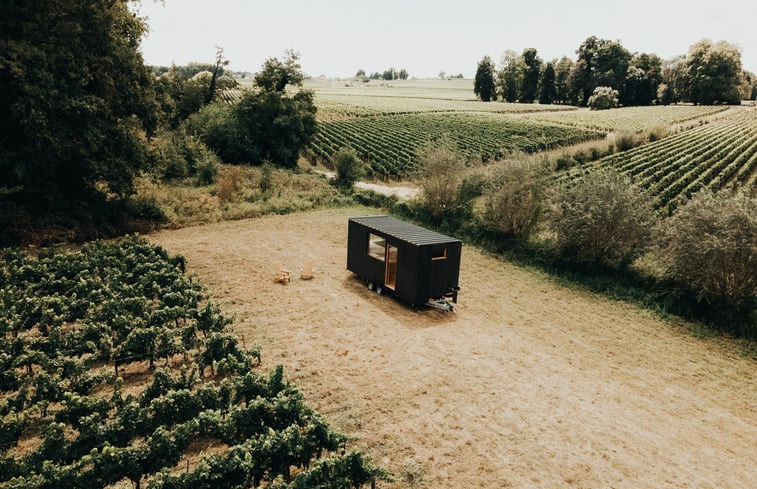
<point>419,278</point>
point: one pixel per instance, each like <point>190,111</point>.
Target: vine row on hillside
<point>721,154</point>
<point>389,143</point>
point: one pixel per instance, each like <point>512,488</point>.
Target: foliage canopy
<point>75,99</point>
<point>602,218</point>
<point>710,244</point>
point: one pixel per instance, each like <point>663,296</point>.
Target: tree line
<point>389,74</point>
<point>709,73</point>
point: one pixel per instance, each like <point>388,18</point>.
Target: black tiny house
<point>417,265</point>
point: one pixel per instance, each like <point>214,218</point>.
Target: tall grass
<point>240,192</point>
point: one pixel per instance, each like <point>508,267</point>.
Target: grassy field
<point>348,99</point>
<point>453,89</point>
<point>528,384</point>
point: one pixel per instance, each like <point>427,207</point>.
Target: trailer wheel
<point>380,290</point>
<point>371,285</point>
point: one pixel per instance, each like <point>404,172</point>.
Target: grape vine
<point>80,332</point>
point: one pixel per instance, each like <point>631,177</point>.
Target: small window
<point>376,247</point>
<point>439,254</point>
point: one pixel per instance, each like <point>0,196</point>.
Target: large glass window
<point>376,247</point>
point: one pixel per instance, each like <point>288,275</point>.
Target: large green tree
<point>601,62</point>
<point>270,126</point>
<point>563,68</point>
<point>484,86</point>
<point>276,74</point>
<point>642,80</point>
<point>547,90</point>
<point>530,87</point>
<point>75,99</point>
<point>267,124</point>
<point>675,81</point>
<point>510,75</point>
<point>714,71</point>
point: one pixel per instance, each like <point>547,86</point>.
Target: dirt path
<point>402,192</point>
<point>527,385</point>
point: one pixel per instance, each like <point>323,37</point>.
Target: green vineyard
<point>388,143</point>
<point>229,96</point>
<point>716,155</point>
<point>629,119</point>
<point>114,369</point>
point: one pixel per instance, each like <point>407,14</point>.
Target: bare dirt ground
<point>527,385</point>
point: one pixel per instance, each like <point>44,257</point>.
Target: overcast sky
<point>336,37</point>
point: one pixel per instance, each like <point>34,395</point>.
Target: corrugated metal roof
<point>403,230</point>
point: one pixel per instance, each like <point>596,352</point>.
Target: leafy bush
<point>601,218</point>
<point>229,184</point>
<point>207,167</point>
<point>263,126</point>
<point>564,162</point>
<point>179,155</point>
<point>603,98</point>
<point>514,203</point>
<point>625,141</point>
<point>213,124</point>
<point>349,169</point>
<point>441,168</point>
<point>710,246</point>
<point>656,133</point>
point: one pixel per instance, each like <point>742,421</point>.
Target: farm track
<point>528,385</point>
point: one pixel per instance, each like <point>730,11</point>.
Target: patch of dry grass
<point>528,384</point>
<point>240,192</point>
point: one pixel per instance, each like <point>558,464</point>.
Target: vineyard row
<point>389,143</point>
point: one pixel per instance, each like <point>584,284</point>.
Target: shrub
<point>625,141</point>
<point>349,169</point>
<point>710,246</point>
<point>266,177</point>
<point>213,124</point>
<point>229,184</point>
<point>601,218</point>
<point>179,155</point>
<point>263,126</point>
<point>207,168</point>
<point>603,98</point>
<point>565,162</point>
<point>656,133</point>
<point>514,204</point>
<point>441,168</point>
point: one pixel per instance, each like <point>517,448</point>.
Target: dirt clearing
<point>528,384</point>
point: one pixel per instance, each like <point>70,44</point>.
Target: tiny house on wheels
<point>414,264</point>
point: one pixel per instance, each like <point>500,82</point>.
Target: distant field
<point>389,143</point>
<point>341,106</point>
<point>386,121</point>
<point>345,99</point>
<point>633,119</point>
<point>720,154</point>
<point>454,89</point>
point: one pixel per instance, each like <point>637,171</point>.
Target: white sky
<point>336,37</point>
